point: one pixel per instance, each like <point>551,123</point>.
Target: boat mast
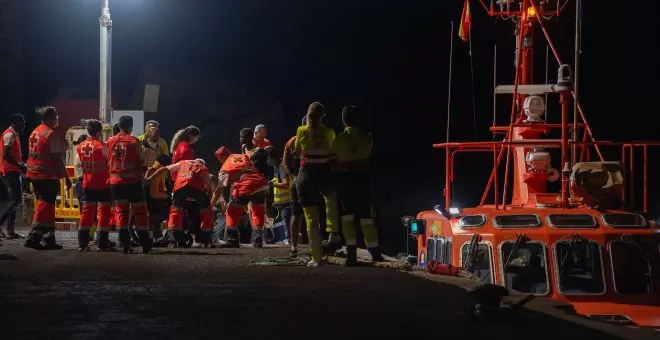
<point>576,75</point>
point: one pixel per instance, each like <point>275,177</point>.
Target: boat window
<point>430,249</point>
<point>517,221</point>
<point>472,221</point>
<point>448,255</point>
<point>580,267</point>
<point>439,249</point>
<point>526,270</point>
<point>631,268</point>
<point>573,221</point>
<point>624,221</point>
<point>480,266</point>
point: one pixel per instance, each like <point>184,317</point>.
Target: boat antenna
<point>576,75</point>
<point>451,54</point>
<point>494,87</point>
<point>474,104</point>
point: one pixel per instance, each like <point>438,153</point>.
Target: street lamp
<point>105,75</point>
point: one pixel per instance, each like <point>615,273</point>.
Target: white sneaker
<point>313,263</point>
<point>197,245</point>
<point>286,242</point>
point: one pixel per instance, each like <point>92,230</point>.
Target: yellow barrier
<point>67,206</point>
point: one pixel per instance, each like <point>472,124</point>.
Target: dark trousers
<point>12,181</point>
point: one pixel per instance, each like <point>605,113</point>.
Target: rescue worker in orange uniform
<point>192,181</point>
<point>96,202</point>
<point>125,163</point>
<point>250,186</point>
<point>11,168</point>
<point>45,169</point>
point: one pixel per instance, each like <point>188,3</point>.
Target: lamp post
<point>105,85</point>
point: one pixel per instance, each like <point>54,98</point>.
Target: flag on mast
<point>466,22</point>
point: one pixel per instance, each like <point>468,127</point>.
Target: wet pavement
<point>217,294</point>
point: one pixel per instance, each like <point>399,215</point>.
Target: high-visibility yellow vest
<point>282,196</point>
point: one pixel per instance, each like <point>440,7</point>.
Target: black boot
<point>104,243</point>
<point>49,242</point>
<point>257,238</point>
<point>351,258</point>
<point>33,239</point>
<point>376,254</point>
<point>145,241</point>
<point>233,239</point>
<point>175,239</point>
<point>125,241</point>
<point>332,244</point>
<point>204,237</point>
<point>83,240</point>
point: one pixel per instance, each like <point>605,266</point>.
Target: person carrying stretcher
<point>192,181</point>
<point>249,186</point>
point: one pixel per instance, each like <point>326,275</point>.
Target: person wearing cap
<point>152,143</point>
<point>193,181</point>
<point>260,134</point>
<point>45,168</point>
<point>313,143</point>
<point>353,150</point>
<point>125,166</point>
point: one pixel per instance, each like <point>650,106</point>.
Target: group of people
<point>124,182</point>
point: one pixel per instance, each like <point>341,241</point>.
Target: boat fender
<point>435,267</point>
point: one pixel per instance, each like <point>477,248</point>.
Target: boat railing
<point>630,162</point>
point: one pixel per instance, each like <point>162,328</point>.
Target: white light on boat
<point>565,76</point>
<point>454,210</point>
<point>534,108</point>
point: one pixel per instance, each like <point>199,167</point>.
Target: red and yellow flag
<point>466,22</point>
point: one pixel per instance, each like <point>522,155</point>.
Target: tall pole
<point>104,63</point>
<point>576,75</point>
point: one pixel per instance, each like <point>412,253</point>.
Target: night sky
<point>389,57</point>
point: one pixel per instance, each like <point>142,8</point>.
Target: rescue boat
<point>585,245</point>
